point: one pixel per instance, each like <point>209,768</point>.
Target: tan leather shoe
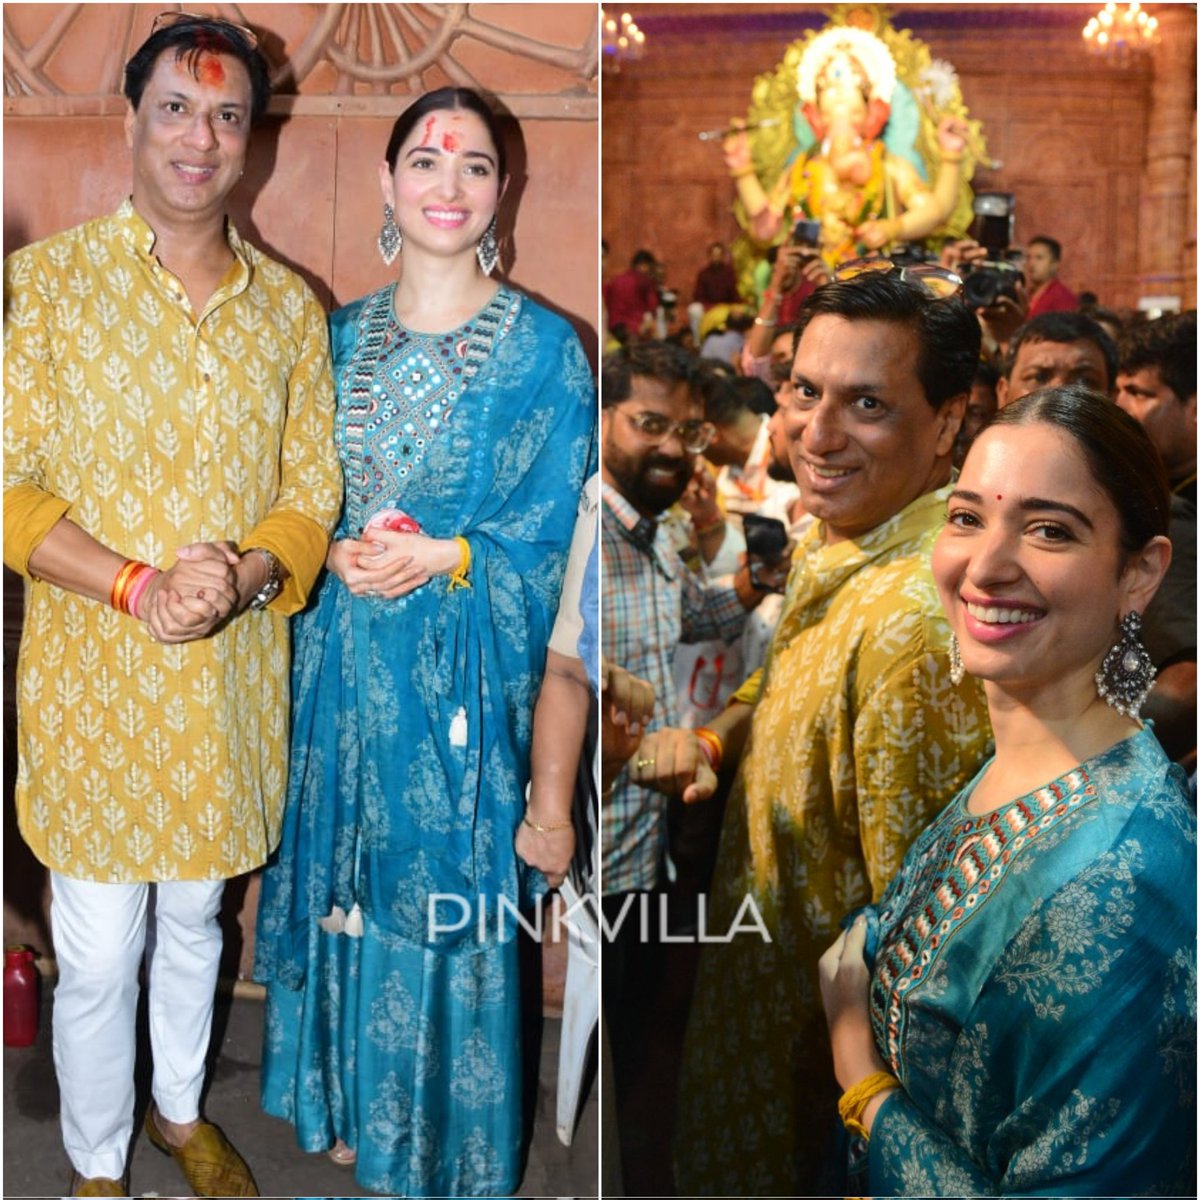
<point>209,1163</point>
<point>96,1187</point>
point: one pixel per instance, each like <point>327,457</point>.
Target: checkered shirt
<point>651,603</point>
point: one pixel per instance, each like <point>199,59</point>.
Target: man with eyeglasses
<point>849,741</point>
<point>170,485</point>
<point>653,432</point>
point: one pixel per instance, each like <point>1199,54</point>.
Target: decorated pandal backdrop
<point>846,109</point>
<point>342,74</point>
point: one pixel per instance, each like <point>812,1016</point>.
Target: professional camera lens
<point>987,282</point>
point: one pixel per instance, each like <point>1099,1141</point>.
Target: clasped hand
<point>192,598</point>
<point>671,761</point>
<point>390,564</point>
<point>699,499</point>
<point>952,135</point>
<point>1003,318</point>
<point>736,147</point>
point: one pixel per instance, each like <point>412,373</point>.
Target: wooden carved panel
<point>544,56</point>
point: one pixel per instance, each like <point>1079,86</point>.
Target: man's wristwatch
<point>274,581</point>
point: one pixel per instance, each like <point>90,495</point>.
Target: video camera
<point>985,282</point>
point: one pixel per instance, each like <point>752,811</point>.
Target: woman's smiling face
<point>1029,565</point>
<point>446,186</point>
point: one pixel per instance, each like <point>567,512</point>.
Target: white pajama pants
<point>100,933</point>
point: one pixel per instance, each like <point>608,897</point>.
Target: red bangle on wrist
<point>711,745</point>
<point>128,585</point>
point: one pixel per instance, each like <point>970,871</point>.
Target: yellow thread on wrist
<point>458,577</point>
<point>855,1099</point>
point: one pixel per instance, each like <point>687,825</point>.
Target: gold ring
<point>644,762</point>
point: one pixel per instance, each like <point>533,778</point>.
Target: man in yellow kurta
<point>170,483</point>
<point>853,738</point>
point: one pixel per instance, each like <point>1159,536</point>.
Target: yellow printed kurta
<point>858,739</point>
<point>151,429</point>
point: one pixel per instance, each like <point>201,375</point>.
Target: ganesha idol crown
<point>855,47</point>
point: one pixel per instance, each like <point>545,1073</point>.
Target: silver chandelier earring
<point>956,663</point>
<point>390,237</point>
<point>1126,674</point>
<point>488,250</point>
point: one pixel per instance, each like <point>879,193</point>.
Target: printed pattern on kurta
<point>1035,992</point>
<point>858,738</point>
<point>150,430</point>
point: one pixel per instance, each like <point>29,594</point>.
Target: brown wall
<point>1075,136</point>
<point>310,193</point>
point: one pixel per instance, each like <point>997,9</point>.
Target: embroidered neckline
<point>976,853</point>
<point>369,486</point>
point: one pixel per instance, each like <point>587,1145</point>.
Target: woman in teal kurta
<point>395,1037</point>
<point>1029,1025</point>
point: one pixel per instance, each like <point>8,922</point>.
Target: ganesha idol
<point>856,169</point>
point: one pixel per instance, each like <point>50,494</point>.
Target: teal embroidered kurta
<point>410,749</point>
<point>1035,992</point>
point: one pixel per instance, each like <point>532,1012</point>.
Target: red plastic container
<point>20,997</point>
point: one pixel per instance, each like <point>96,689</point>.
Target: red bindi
<point>210,71</point>
<point>998,496</point>
<point>450,142</point>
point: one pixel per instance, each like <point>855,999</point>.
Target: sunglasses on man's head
<point>166,20</point>
<point>939,281</point>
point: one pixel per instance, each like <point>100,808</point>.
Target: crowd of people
<point>952,766</point>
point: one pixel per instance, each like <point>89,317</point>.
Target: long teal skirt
<point>412,1057</point>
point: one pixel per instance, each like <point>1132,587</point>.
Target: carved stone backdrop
<point>310,195</point>
<point>1100,158</point>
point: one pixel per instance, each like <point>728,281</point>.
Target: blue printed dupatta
<point>1034,990</point>
<point>412,717</point>
<point>410,754</point>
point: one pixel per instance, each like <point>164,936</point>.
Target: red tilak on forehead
<point>429,124</point>
<point>450,142</point>
<point>210,70</point>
